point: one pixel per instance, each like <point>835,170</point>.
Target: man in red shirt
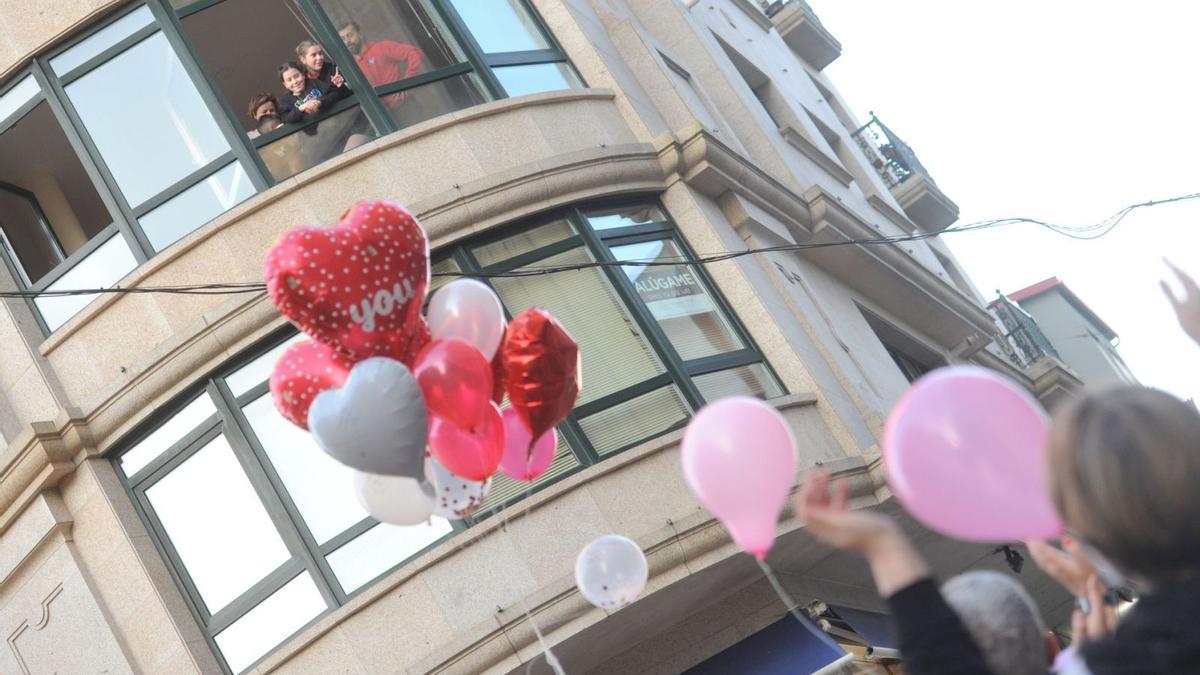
<point>383,62</point>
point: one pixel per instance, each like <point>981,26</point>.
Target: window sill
<point>806,147</point>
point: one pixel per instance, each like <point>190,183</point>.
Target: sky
<point>1060,110</point>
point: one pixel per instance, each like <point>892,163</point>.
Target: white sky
<point>1061,110</point>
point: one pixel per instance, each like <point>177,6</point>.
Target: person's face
<point>352,38</point>
<point>293,81</point>
<point>314,58</point>
<point>265,109</point>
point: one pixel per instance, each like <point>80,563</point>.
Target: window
<point>287,540</point>
<point>136,133</point>
<point>911,357</point>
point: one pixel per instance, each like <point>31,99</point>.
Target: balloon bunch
<point>379,383</point>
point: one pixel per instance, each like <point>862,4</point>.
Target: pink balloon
<point>964,452</point>
<point>456,381</point>
<point>523,458</point>
<point>472,453</point>
<point>739,459</point>
<point>468,310</point>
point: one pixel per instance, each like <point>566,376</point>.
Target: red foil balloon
<point>357,286</point>
<point>541,370</point>
<point>456,381</point>
<point>306,369</point>
<point>472,453</point>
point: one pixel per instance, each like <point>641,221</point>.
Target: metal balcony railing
<point>893,160</point>
<point>1026,342</point>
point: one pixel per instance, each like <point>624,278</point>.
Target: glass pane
<point>752,380</point>
<point>167,434</point>
<point>501,25</point>
<point>197,205</point>
<point>615,354</point>
<point>679,301</point>
<point>529,240</point>
<point>443,265</point>
<point>102,39</point>
<point>147,119</point>
<point>257,371</point>
<point>536,78</point>
<point>316,143</point>
<point>431,100</point>
<point>625,216</point>
<point>393,40</point>
<point>18,96</point>
<point>217,524</point>
<point>102,268</point>
<point>321,487</point>
<point>271,622</point>
<point>505,491</point>
<point>381,548</point>
<point>635,420</point>
<point>48,205</point>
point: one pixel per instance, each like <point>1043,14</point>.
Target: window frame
<point>309,556</point>
<point>242,149</point>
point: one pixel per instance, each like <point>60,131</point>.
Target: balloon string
<point>551,659</point>
<point>788,602</point>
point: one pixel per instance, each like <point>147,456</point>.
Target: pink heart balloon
<point>964,452</point>
<point>525,459</point>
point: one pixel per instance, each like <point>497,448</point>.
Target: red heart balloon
<point>541,370</point>
<point>357,286</point>
<point>306,369</point>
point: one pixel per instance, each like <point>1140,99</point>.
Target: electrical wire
<point>1084,233</point>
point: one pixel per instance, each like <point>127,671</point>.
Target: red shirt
<point>389,61</point>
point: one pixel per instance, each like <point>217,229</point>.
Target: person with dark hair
<point>305,97</point>
<point>260,106</point>
<point>317,65</point>
<point>384,61</point>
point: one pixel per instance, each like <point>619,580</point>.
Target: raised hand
<point>1186,306</point>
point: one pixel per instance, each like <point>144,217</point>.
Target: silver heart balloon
<point>376,422</point>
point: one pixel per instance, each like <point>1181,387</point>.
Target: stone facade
<point>668,112</point>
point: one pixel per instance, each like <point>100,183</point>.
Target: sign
<point>672,292</point>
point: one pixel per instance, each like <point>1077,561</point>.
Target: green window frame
<point>130,26</point>
<point>216,407</point>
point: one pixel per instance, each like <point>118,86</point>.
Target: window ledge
<point>481,531</point>
<point>807,148</point>
<point>268,197</point>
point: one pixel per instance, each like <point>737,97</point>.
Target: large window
<point>169,113</point>
<point>262,529</point>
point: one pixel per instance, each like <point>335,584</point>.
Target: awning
<point>786,647</point>
<point>875,628</point>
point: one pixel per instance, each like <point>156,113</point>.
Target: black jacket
<point>933,639</point>
<point>1160,634</point>
<point>313,89</point>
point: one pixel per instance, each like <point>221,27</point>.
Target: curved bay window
<point>287,541</point>
<point>119,143</point>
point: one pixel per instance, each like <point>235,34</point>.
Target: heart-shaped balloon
<point>964,452</point>
<point>454,497</point>
<point>375,422</point>
<point>357,286</point>
<point>541,370</point>
<point>472,453</point>
<point>306,369</point>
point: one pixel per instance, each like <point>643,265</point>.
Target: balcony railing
<point>893,160</point>
<point>1027,344</point>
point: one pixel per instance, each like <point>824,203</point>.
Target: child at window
<point>305,97</point>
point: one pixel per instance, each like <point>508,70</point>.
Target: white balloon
<point>398,500</point>
<point>376,422</point>
<point>454,498</point>
<point>611,571</point>
<point>468,310</point>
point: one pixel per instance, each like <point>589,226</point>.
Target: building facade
<point>157,515</point>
